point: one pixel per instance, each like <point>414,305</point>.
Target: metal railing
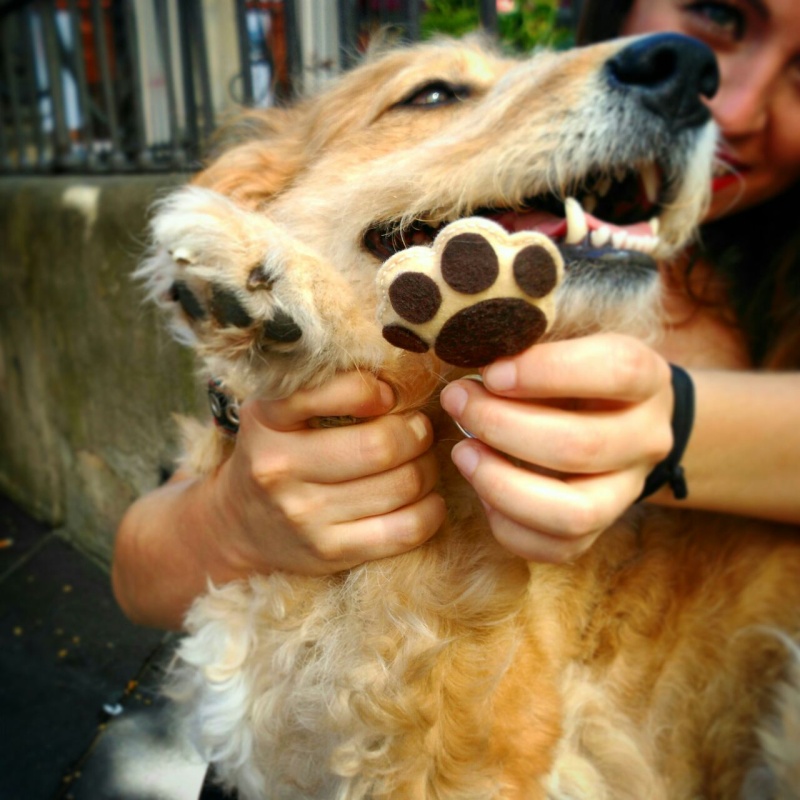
<point>140,85</point>
<point>127,85</point>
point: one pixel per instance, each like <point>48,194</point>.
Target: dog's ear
<point>260,154</point>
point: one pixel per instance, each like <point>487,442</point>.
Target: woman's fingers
<point>353,394</point>
<point>337,455</point>
<point>580,440</point>
<point>540,517</point>
<point>609,366</point>
<point>348,544</point>
<point>307,505</point>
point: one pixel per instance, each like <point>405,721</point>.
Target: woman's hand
<point>590,418</point>
<point>333,497</point>
<point>291,497</point>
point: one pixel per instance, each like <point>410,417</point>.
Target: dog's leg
<point>264,312</point>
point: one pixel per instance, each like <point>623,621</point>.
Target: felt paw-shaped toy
<point>478,294</point>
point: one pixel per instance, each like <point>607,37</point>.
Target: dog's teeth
<point>721,168</point>
<point>655,225</point>
<point>638,243</point>
<point>589,203</point>
<point>619,239</point>
<point>601,237</point>
<point>577,227</point>
<point>650,182</point>
<point>648,244</point>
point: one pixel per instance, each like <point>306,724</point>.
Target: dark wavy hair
<point>756,250</point>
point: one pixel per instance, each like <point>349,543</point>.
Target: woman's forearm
<point>164,555</point>
<point>744,452</point>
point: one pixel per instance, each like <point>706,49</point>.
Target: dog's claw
<point>478,294</point>
<point>260,279</point>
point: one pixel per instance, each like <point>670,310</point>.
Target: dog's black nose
<point>669,74</point>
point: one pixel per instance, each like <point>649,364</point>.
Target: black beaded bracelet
<point>669,471</point>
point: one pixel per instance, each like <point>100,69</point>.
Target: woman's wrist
<point>744,454</point>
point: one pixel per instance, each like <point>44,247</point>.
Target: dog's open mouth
<point>611,213</point>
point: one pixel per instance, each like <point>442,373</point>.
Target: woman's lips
<point>720,182</point>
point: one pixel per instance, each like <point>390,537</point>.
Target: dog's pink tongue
<point>556,227</point>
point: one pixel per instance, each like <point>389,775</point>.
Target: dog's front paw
<point>478,294</point>
<point>264,312</point>
<point>223,271</point>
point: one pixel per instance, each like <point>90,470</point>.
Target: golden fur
<point>645,669</point>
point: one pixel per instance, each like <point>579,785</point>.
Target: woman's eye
<point>438,93</point>
<point>720,19</point>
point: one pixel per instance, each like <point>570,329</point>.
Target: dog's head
<point>607,150</point>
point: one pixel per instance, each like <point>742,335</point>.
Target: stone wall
<point>89,378</point>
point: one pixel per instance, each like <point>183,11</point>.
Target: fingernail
<point>454,399</point>
<point>501,376</point>
<point>387,395</point>
<point>466,458</point>
<point>418,427</point>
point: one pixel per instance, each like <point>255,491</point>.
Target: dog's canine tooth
<point>577,227</point>
<point>650,181</point>
<point>655,225</point>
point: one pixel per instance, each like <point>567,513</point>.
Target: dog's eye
<point>434,94</point>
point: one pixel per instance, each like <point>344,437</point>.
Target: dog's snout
<point>669,74</point>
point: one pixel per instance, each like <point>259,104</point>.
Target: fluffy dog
<point>645,669</point>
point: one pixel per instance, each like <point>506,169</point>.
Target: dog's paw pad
<point>227,309</point>
<point>478,294</point>
<point>181,294</point>
<point>209,306</point>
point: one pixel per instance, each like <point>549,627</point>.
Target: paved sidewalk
<point>79,705</point>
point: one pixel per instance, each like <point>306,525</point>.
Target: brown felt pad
<point>535,271</point>
<point>415,297</point>
<point>469,263</point>
<point>489,330</point>
<point>476,295</point>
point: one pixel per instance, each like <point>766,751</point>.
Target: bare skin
<point>603,449</point>
<point>290,498</point>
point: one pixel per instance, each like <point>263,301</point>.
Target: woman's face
<point>757,44</point>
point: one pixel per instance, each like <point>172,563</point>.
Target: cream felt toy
<point>476,295</point>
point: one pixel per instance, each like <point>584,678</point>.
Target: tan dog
<point>645,669</point>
